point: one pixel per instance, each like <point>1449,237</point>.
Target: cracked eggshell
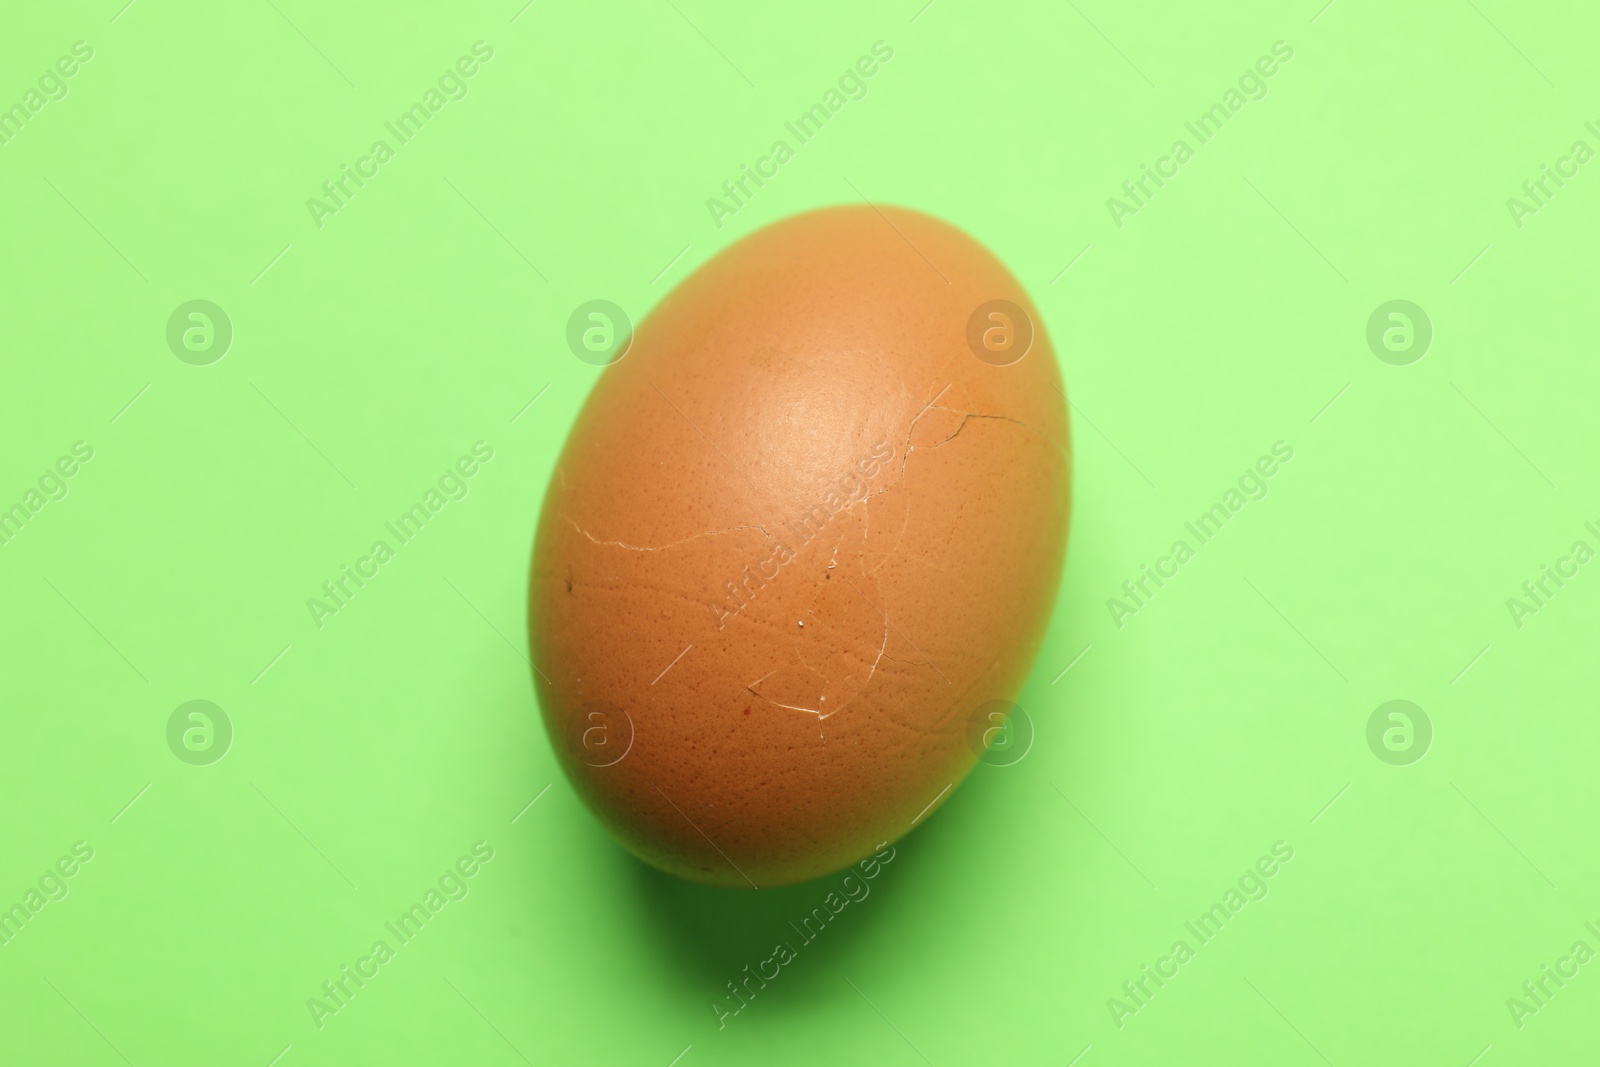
<point>796,538</point>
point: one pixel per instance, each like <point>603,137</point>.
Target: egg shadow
<point>708,935</point>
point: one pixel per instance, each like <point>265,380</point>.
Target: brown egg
<point>800,534</point>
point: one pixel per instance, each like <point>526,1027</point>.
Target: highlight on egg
<point>802,540</point>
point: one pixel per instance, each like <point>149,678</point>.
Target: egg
<point>802,536</point>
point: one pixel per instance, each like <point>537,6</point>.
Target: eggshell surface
<point>799,535</point>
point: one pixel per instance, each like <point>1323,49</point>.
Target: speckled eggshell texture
<point>799,535</point>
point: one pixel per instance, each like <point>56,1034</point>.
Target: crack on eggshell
<point>751,687</point>
<point>833,657</point>
<point>912,445</point>
<point>821,590</point>
<point>832,662</point>
<point>906,448</point>
<point>829,662</point>
<point>670,544</point>
<point>632,584</point>
<point>899,483</point>
<point>846,680</point>
<point>966,415</point>
<point>834,652</point>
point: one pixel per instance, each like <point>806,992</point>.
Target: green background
<point>1231,712</point>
